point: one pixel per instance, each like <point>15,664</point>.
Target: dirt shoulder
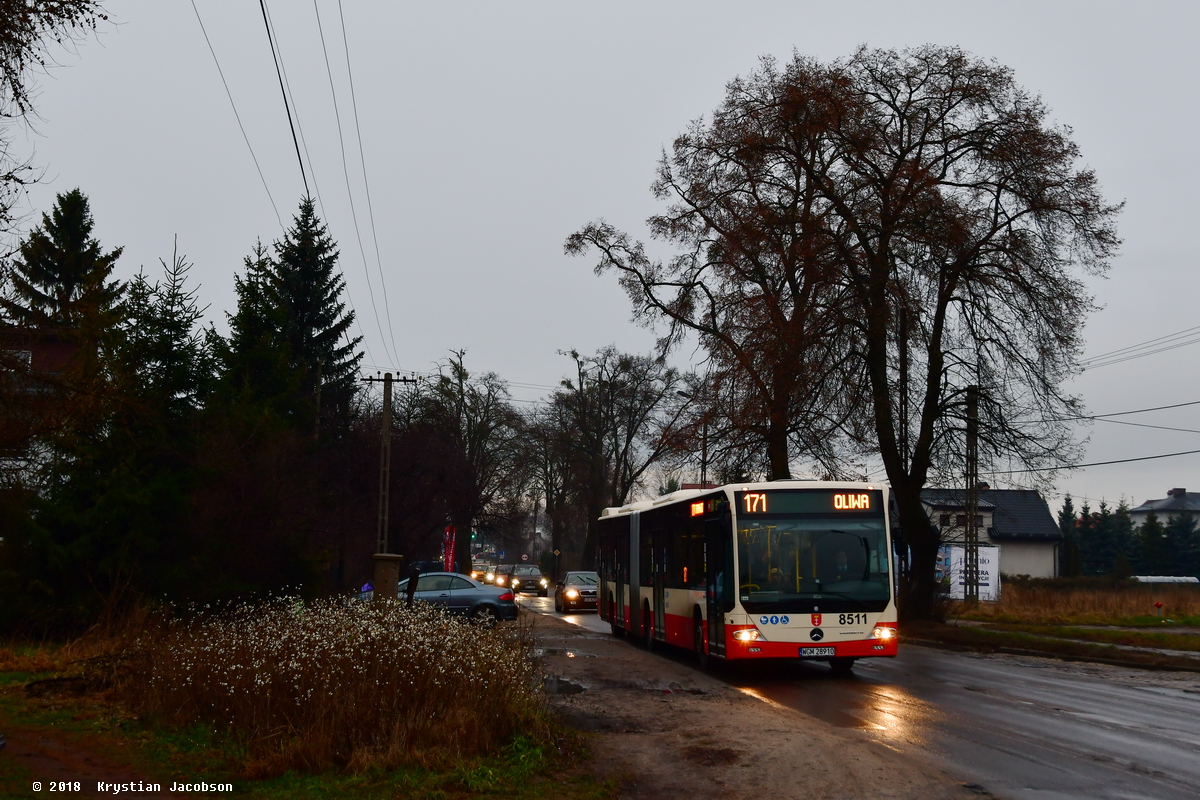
<point>664,729</point>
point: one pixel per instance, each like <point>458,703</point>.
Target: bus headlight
<point>746,635</point>
<point>884,632</point>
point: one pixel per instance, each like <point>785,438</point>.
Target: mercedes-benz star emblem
<point>816,634</point>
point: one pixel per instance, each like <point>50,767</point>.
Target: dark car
<point>460,595</point>
<point>528,578</point>
<point>576,590</point>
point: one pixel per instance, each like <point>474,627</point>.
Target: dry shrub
<point>338,683</point>
<point>1081,601</point>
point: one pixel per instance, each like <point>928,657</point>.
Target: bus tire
<point>647,627</point>
<point>617,630</point>
<point>841,666</point>
<point>698,641</point>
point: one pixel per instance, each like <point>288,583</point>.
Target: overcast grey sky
<point>491,131</point>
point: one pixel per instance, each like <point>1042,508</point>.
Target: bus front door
<point>718,552</point>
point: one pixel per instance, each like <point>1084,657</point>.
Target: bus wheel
<point>698,642</point>
<point>617,630</point>
<point>647,627</point>
<point>841,666</point>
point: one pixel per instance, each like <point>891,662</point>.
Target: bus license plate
<point>817,652</point>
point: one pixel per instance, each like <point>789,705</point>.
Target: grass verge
<point>1023,641</point>
<point>285,699</point>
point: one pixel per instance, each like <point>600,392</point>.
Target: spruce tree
<point>1182,545</point>
<point>1069,526</point>
<point>292,325</point>
<point>1153,547</point>
<point>307,287</point>
<point>61,277</point>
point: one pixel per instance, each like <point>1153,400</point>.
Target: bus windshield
<point>789,561</point>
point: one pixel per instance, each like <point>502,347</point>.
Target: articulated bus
<point>787,569</point>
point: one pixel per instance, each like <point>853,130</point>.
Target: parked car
<point>528,578</point>
<point>462,596</point>
<point>576,590</point>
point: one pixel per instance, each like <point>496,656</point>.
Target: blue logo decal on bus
<point>784,620</point>
<point>763,620</point>
<point>774,620</point>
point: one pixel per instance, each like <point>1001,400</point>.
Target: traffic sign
<point>556,553</point>
<point>524,556</point>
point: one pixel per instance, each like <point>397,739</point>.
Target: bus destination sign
<point>807,501</point>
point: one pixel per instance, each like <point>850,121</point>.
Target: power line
<point>237,116</point>
<point>1094,463</point>
<point>346,172</point>
<point>1140,410</point>
<point>366,184</point>
<point>316,185</point>
<point>1143,425</point>
<point>1159,345</point>
<point>286,107</point>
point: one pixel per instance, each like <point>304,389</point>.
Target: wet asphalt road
<point>1017,727</point>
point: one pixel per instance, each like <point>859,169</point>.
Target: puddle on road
<point>567,652</point>
<point>557,685</point>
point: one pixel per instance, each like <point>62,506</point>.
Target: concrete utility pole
<point>387,565</point>
<point>971,554</point>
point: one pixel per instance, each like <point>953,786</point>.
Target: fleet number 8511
<point>852,619</point>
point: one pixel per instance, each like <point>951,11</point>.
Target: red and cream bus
<point>787,569</point>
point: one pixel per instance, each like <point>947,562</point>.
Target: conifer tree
<point>306,287</point>
<point>1069,526</point>
<point>1183,545</point>
<point>1152,541</point>
<point>61,278</point>
<point>292,325</point>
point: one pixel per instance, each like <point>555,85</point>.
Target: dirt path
<point>666,730</point>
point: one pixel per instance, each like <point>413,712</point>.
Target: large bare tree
<point>755,279</point>
<point>946,226</point>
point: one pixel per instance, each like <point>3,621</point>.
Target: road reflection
<point>861,702</point>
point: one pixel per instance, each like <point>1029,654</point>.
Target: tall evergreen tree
<point>292,326</point>
<point>307,286</point>
<point>1069,525</point>
<point>1183,545</point>
<point>1154,558</point>
<point>1124,541</point>
<point>61,278</point>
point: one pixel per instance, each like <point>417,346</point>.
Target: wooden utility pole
<point>387,565</point>
<point>385,465</point>
<point>971,554</point>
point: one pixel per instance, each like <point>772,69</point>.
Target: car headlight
<point>883,632</point>
<point>571,593</point>
<point>500,580</point>
<point>545,583</point>
<point>516,582</point>
<point>746,635</point>
<point>491,576</point>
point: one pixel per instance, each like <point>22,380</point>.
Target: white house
<point>1175,503</point>
<point>1017,521</point>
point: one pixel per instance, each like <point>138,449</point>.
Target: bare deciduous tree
<point>940,223</point>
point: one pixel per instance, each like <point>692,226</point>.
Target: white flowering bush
<point>309,685</point>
